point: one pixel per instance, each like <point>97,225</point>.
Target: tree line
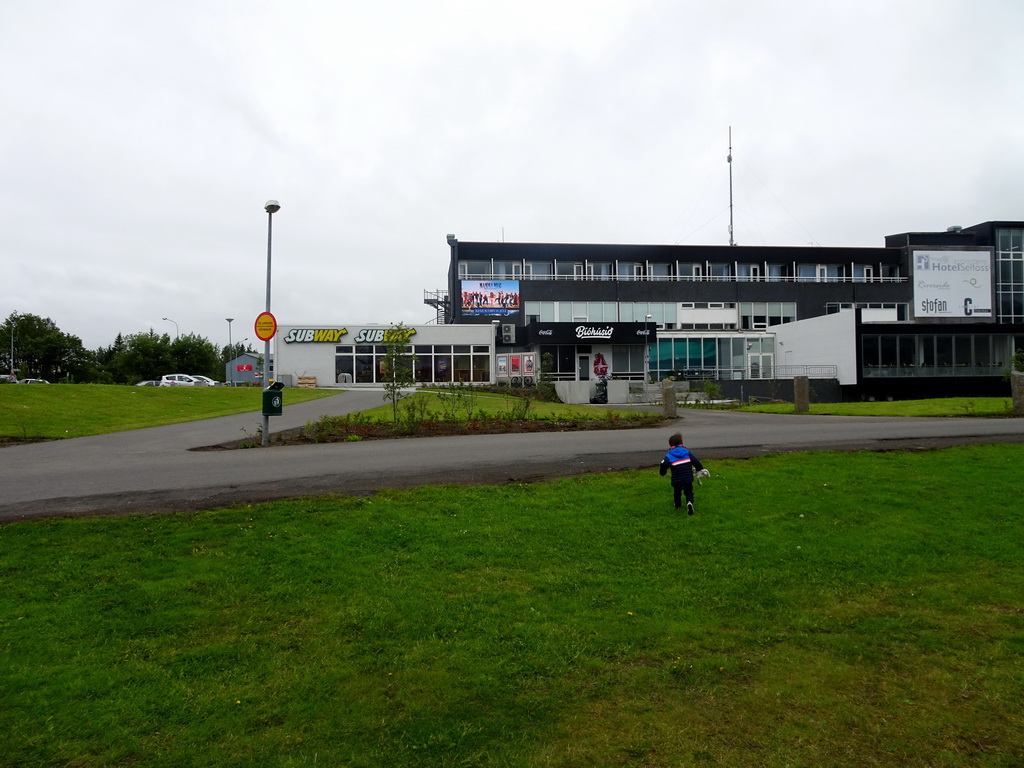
<point>34,347</point>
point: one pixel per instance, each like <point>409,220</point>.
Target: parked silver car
<point>177,380</point>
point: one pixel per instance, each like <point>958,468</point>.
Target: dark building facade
<point>927,314</point>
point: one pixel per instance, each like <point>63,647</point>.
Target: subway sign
<point>333,335</point>
<point>382,335</point>
<point>314,335</point>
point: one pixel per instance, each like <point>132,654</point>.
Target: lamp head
<point>272,206</point>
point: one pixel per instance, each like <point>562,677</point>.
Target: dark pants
<point>677,493</point>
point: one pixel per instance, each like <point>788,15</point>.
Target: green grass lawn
<point>76,410</point>
<point>820,609</point>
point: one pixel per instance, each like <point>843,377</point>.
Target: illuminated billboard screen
<point>490,297</point>
<point>953,284</point>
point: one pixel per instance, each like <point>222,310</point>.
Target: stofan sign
<point>952,284</point>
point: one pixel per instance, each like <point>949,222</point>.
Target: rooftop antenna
<point>729,159</point>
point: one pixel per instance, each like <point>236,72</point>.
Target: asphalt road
<point>156,470</point>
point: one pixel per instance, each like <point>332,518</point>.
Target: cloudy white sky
<point>140,140</point>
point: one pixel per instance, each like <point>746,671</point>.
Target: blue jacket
<point>682,463</point>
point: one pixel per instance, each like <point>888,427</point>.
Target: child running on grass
<point>682,463</point>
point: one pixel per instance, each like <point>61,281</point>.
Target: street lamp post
<point>176,333</point>
<point>231,353</point>
<point>647,350</point>
<point>271,207</point>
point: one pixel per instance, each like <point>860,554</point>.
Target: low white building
<point>328,355</point>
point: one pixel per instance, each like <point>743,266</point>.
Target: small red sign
<point>265,326</point>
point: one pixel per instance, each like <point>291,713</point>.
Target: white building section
<point>329,355</point>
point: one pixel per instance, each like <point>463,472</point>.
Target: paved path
<point>153,470</point>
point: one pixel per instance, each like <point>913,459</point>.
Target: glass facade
<point>1010,275</point>
<point>722,357</point>
<point>433,363</point>
<point>908,355</point>
<point>661,312</point>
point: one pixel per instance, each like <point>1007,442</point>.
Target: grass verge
<point>945,406</point>
<point>77,410</point>
<point>820,609</point>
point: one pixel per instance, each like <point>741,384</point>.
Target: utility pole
<point>729,159</point>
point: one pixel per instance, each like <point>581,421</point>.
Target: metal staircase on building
<point>439,301</point>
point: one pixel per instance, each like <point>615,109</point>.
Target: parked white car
<point>206,381</point>
<point>177,380</point>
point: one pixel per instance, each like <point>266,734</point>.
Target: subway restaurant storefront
<point>338,355</point>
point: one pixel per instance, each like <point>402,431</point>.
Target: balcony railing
<point>684,278</point>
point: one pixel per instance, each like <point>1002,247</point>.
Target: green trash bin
<point>273,400</point>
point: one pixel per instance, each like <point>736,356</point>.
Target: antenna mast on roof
<point>729,159</point>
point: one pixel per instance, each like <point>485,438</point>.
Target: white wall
<point>825,340</point>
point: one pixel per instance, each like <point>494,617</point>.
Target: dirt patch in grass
<point>441,428</point>
<point>10,441</point>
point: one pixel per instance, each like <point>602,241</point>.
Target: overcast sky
<point>139,141</point>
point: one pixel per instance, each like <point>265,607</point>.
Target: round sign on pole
<point>266,326</point>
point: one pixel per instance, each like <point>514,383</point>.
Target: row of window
<point>649,270</point>
<point>680,357</point>
<point>365,364</point>
<point>601,311</point>
<point>752,315</point>
<point>936,354</point>
<point>898,311</point>
<point>1010,270</point>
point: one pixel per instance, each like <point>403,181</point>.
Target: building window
<point>508,270</point>
<point>863,273</point>
<point>830,273</point>
<point>930,355</point>
<point>1010,276</point>
<point>758,315</point>
<point>569,269</point>
<point>475,270</point>
<point>627,361</point>
<point>892,311</point>
<point>539,270</point>
<point>746,273</point>
<point>720,271</point>
<point>661,271</point>
<point>600,270</point>
<point>689,271</point>
<point>631,270</point>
